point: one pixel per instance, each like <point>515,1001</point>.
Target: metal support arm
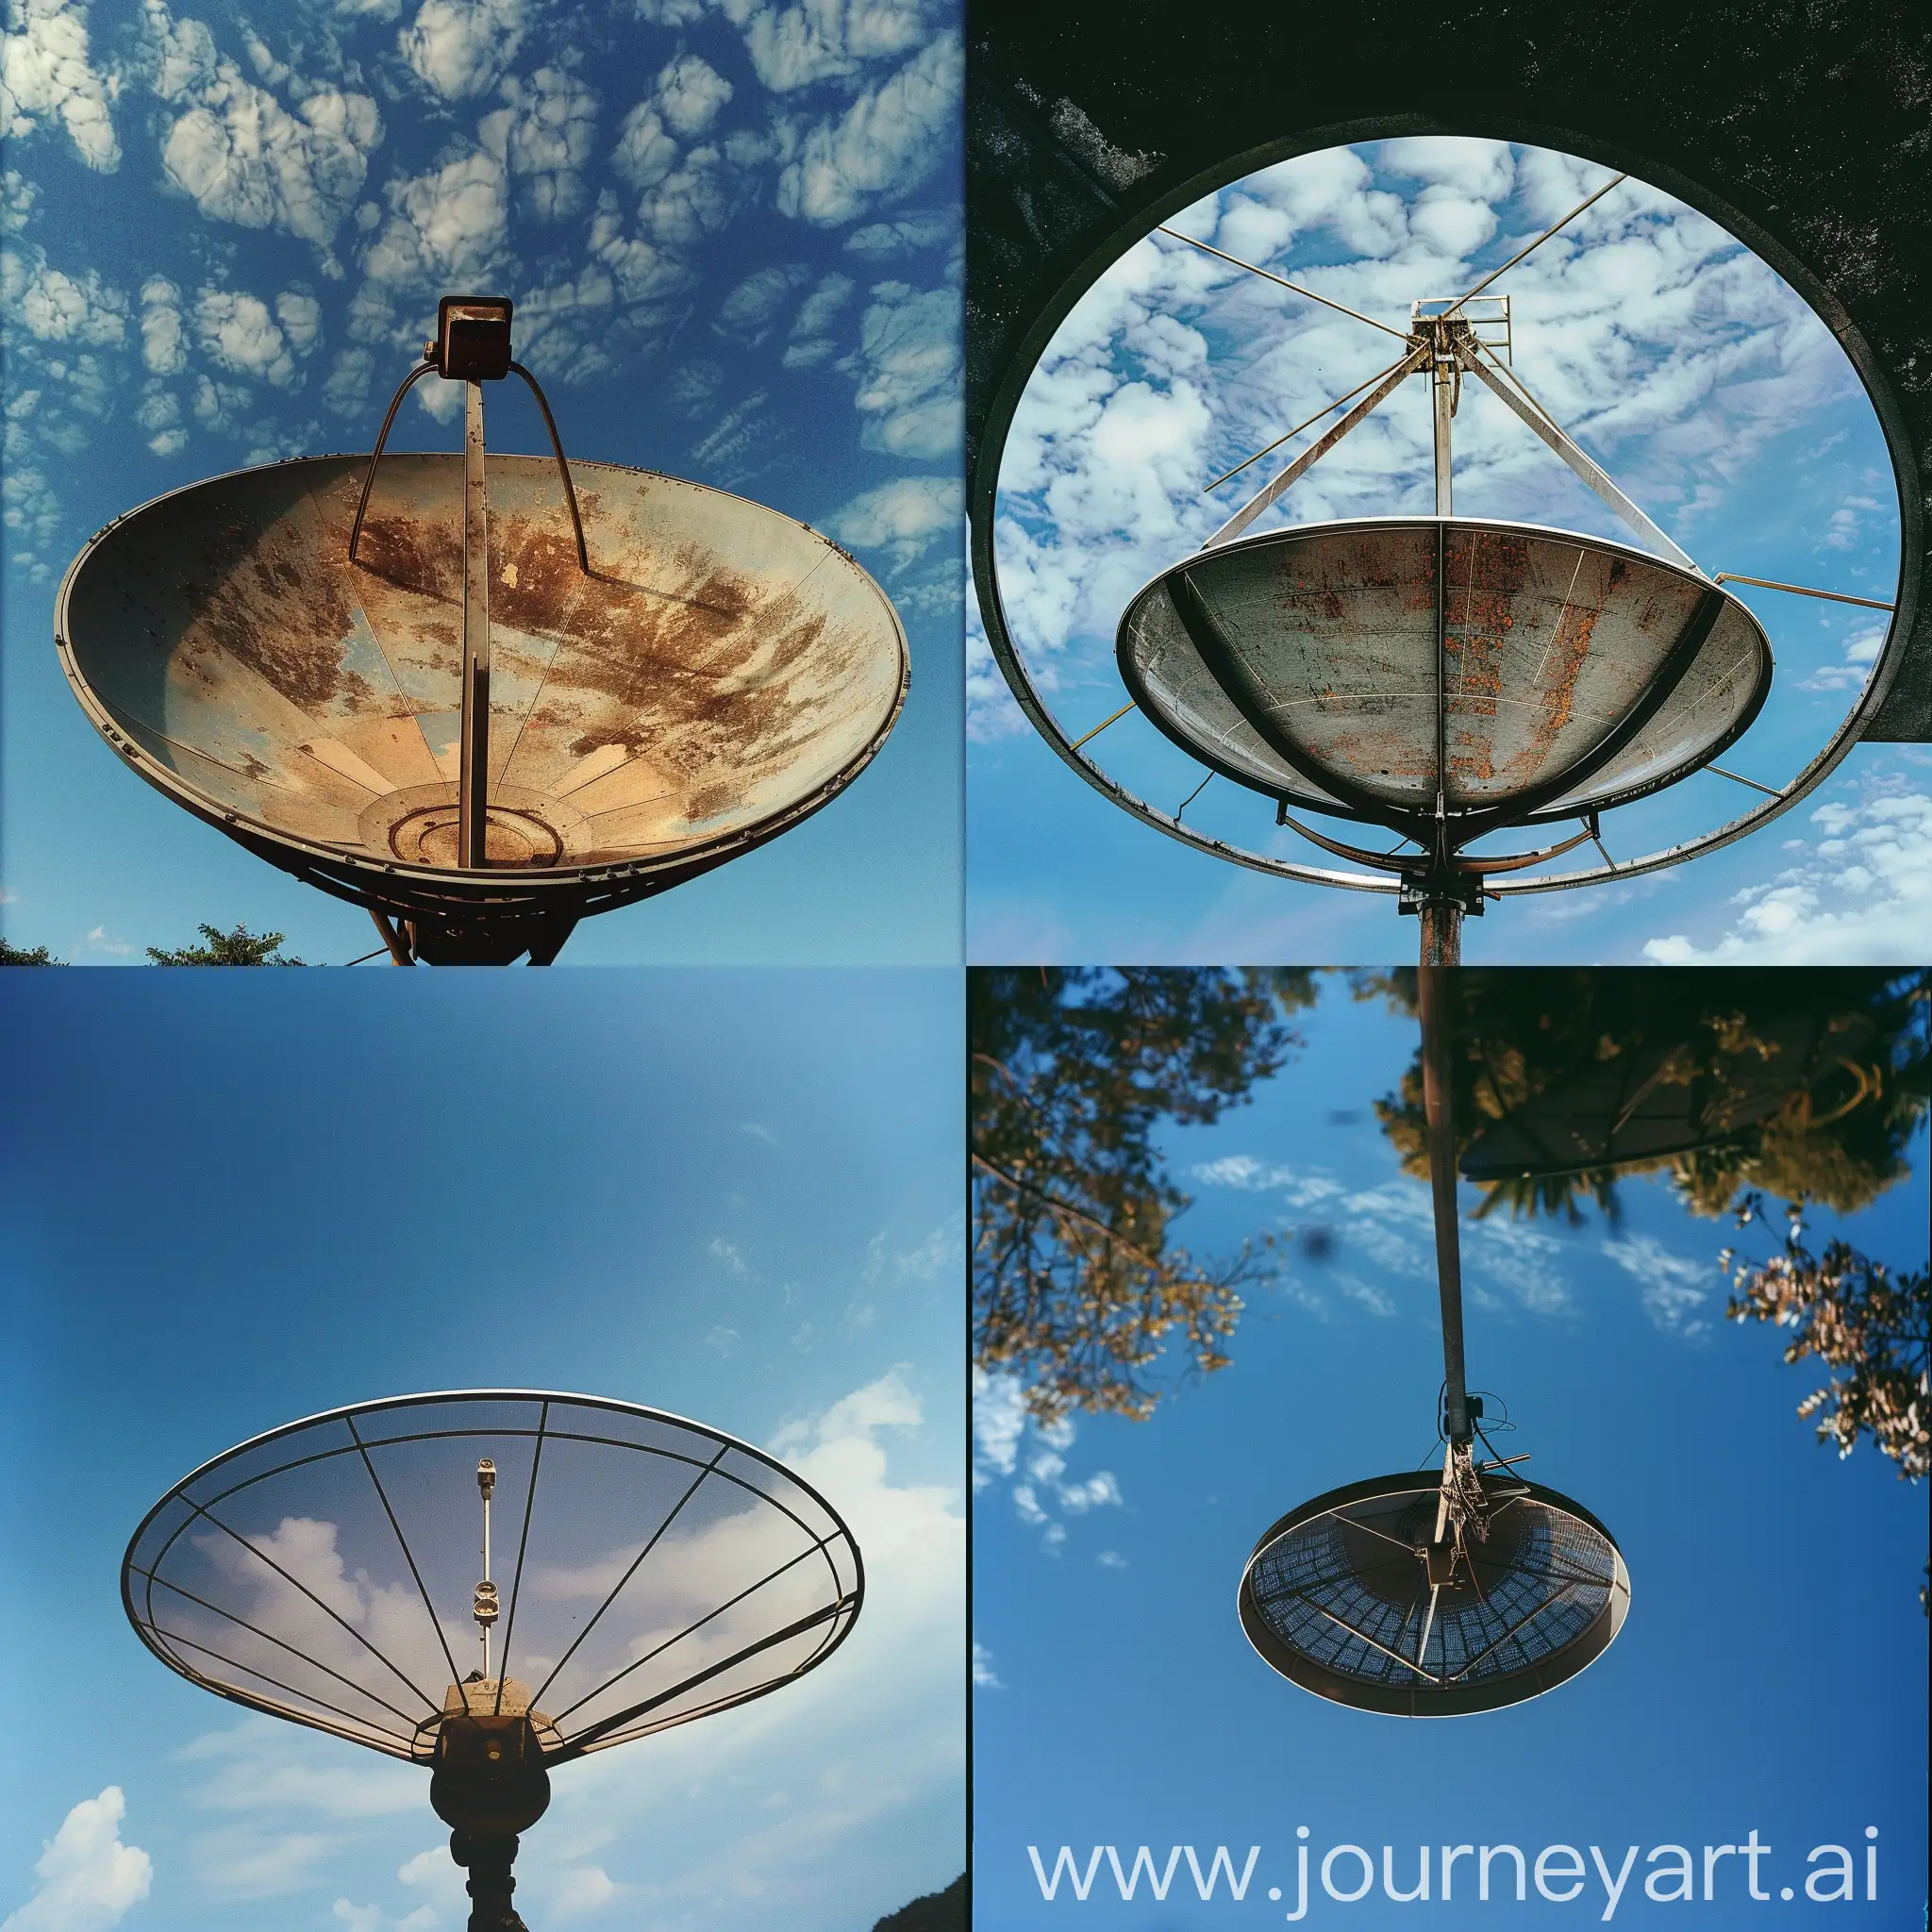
<point>1532,414</point>
<point>1271,493</point>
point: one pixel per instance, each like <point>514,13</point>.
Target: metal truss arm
<point>1271,493</point>
<point>1533,413</point>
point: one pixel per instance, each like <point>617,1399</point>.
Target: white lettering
<point>1490,1852</point>
<point>1348,1898</point>
<point>1065,1863</point>
<point>1450,1855</point>
<point>1842,1873</point>
<point>1687,1885</point>
<point>1221,1862</point>
<point>1422,1883</point>
<point>1144,1856</point>
<point>1546,1867</point>
<point>1602,1872</point>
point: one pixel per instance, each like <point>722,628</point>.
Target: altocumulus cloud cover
<point>730,229</point>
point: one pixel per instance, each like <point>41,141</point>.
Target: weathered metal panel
<point>1548,641</point>
<point>722,667</point>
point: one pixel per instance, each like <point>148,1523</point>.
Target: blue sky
<point>731,230</point>
<point>1715,396</point>
<point>734,1197</point>
<point>1772,1669</point>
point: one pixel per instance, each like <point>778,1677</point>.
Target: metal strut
<point>471,346</point>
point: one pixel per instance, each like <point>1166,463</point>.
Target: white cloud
<point>694,199</point>
<point>546,136</point>
<point>89,1879</point>
<point>46,74</point>
<point>984,1676</point>
<point>56,307</point>
<point>263,1764</point>
<point>811,339</point>
<point>690,93</point>
<point>1669,351</point>
<point>1000,1428</point>
<point>728,1255</point>
<point>645,151</point>
<point>346,390</point>
<point>909,386</point>
<point>450,226</point>
<point>242,155</point>
<point>1856,896</point>
<point>884,145</point>
<point>999,1421</point>
<point>1393,1225</point>
<point>751,305</point>
<point>902,519</point>
<point>459,47</point>
<point>1671,1289</point>
<point>828,40</point>
<point>905,234</point>
<point>239,333</point>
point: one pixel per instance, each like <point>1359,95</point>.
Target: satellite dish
<point>1342,1598</point>
<point>1664,1100</point>
<point>645,1571</point>
<point>1426,1594</point>
<point>483,701</point>
<point>1393,670</point>
<point>1441,677</point>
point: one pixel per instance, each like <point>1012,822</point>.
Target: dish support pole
<point>1434,994</point>
<point>473,781</point>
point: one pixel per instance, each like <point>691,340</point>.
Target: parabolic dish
<point>1302,663</point>
<point>650,1571</point>
<point>723,671</point>
<point>1666,1101</point>
<point>1335,1597</point>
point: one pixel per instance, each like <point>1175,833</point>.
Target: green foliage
<point>1834,1129</point>
<point>240,947</point>
<point>1075,1285</point>
<point>26,956</point>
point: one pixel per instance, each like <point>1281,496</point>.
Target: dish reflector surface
<point>1335,1597</point>
<point>1302,663</point>
<point>650,1570</point>
<point>724,670</point>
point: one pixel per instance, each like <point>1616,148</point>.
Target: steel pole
<point>1441,933</point>
<point>473,780</point>
<point>1433,990</point>
<point>1446,397</point>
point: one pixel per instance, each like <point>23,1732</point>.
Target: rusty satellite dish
<point>1426,1594</point>
<point>534,692</point>
<point>645,1571</point>
<point>1440,677</point>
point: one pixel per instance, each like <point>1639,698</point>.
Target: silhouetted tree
<point>934,1911</point>
<point>238,948</point>
<point>1075,1285</point>
<point>1837,1135</point>
<point>26,956</point>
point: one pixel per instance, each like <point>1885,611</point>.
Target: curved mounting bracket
<point>481,355</point>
